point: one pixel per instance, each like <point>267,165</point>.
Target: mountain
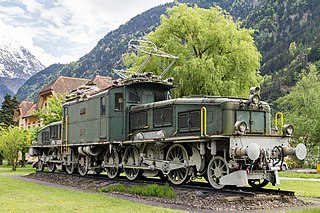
<point>17,64</point>
<point>30,90</point>
<point>279,24</point>
<point>3,91</point>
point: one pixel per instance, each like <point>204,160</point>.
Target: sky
<point>61,31</point>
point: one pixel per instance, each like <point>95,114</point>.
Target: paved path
<point>304,179</point>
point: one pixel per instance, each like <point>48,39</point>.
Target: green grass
<point>299,175</point>
<point>22,196</point>
<point>7,170</point>
<point>301,187</point>
<point>312,210</point>
<point>153,190</point>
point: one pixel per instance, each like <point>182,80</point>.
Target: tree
<point>7,109</point>
<point>12,141</point>
<point>293,48</point>
<point>302,109</point>
<point>53,112</point>
<point>1,158</point>
<point>216,55</point>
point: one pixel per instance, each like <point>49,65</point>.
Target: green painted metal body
<point>113,115</point>
<point>103,117</point>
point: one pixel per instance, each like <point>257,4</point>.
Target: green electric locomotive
<point>135,127</point>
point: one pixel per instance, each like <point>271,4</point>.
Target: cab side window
<point>102,106</point>
<point>118,106</point>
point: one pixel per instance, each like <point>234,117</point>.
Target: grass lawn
<point>304,188</point>
<point>299,175</point>
<point>7,170</point>
<point>20,196</point>
<point>301,188</point>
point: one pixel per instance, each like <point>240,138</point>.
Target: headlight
<point>288,129</point>
<point>254,98</point>
<point>240,126</point>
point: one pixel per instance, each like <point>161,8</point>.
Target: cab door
<point>116,115</point>
<point>103,117</point>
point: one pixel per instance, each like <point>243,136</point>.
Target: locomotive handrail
<point>281,120</point>
<point>67,135</point>
<point>203,122</point>
<point>61,136</point>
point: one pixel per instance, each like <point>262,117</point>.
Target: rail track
<point>203,188</point>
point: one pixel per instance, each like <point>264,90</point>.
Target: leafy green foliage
<point>153,190</point>
<point>302,108</point>
<point>53,112</point>
<point>6,113</point>
<point>13,140</point>
<point>216,56</point>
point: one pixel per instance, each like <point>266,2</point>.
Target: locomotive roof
<point>212,100</point>
<point>51,124</point>
<point>145,78</point>
<point>134,79</point>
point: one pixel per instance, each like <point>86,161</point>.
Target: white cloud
<point>60,31</point>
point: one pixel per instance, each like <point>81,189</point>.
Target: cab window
<point>118,106</point>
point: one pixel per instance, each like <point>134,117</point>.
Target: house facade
<point>24,115</point>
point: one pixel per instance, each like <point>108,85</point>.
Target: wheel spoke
<point>217,168</point>
<point>177,154</point>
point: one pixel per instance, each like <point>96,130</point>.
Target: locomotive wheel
<point>131,158</point>
<point>217,168</point>
<point>83,165</point>
<point>70,168</point>
<point>178,154</point>
<point>258,184</point>
<point>51,166</point>
<point>40,166</point>
<point>112,160</point>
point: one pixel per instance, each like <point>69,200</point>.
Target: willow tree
<point>216,55</point>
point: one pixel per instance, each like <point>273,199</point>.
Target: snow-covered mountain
<point>17,65</point>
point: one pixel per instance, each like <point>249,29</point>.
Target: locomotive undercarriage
<point>220,162</point>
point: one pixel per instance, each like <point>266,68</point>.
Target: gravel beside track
<point>187,199</point>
